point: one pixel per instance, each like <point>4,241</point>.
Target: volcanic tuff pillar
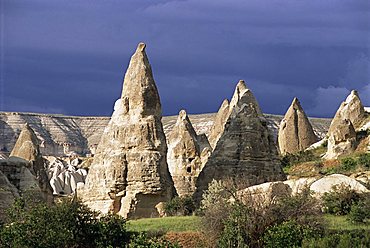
<point>129,174</point>
<point>245,152</point>
<point>184,155</point>
<point>295,132</point>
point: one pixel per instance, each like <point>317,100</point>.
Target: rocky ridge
<point>60,135</point>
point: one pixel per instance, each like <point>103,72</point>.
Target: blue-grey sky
<point>69,56</point>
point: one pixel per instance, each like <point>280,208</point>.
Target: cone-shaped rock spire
<point>27,146</point>
<point>295,132</point>
<point>227,108</point>
<point>27,150</point>
<point>129,174</point>
<point>184,155</point>
<point>245,151</point>
<point>351,109</point>
<point>139,93</point>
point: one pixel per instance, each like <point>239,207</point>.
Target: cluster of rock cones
<point>135,169</point>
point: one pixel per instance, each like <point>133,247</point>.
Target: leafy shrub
<point>241,221</point>
<point>39,225</point>
<point>340,200</point>
<point>289,159</point>
<point>339,239</point>
<point>360,211</point>
<point>348,164</point>
<point>141,240</point>
<point>287,234</point>
<point>364,160</point>
<point>67,224</point>
<point>180,206</point>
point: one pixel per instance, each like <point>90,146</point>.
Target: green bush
<point>360,211</point>
<point>243,221</point>
<point>348,164</point>
<point>235,232</point>
<point>289,159</point>
<point>141,240</point>
<point>340,200</point>
<point>287,234</point>
<point>40,225</point>
<point>180,206</point>
<point>67,224</point>
<point>364,160</point>
<point>341,239</point>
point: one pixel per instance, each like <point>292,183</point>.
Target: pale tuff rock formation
<point>184,155</point>
<point>64,176</point>
<point>319,186</point>
<point>295,132</point>
<point>342,139</point>
<point>327,183</point>
<point>26,155</point>
<point>225,110</point>
<point>351,109</point>
<point>245,151</point>
<point>8,193</point>
<point>219,123</point>
<point>129,173</point>
<point>342,131</point>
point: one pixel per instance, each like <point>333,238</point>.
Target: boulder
<point>327,183</point>
<point>245,151</point>
<point>265,192</point>
<point>129,173</point>
<point>342,139</point>
<point>183,157</point>
<point>295,131</point>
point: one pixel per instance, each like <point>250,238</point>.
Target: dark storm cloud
<point>73,53</point>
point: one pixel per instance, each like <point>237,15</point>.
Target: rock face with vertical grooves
<point>245,151</point>
<point>295,131</point>
<point>26,152</point>
<point>219,123</point>
<point>184,155</point>
<point>129,174</point>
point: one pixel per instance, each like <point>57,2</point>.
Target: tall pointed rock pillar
<point>295,132</point>
<point>129,174</point>
<point>184,155</point>
<point>245,152</point>
<point>351,109</point>
<point>33,177</point>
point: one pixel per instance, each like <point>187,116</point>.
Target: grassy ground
<point>341,223</point>
<point>166,224</point>
<point>193,223</point>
